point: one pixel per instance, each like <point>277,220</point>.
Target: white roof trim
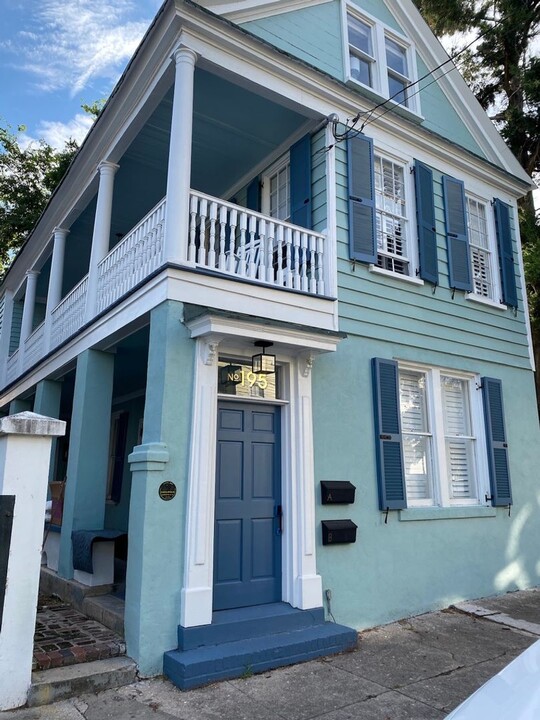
<point>246,10</point>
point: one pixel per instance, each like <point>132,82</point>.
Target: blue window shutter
<point>300,159</point>
<point>459,265</point>
<point>253,195</point>
<point>425,219</point>
<point>362,220</point>
<point>390,467</point>
<point>506,253</point>
<point>497,447</point>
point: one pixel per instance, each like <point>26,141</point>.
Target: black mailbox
<point>335,532</point>
<point>334,492</point>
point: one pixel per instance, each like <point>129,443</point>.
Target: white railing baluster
<point>231,251</point>
<point>303,261</point>
<point>280,247</point>
<point>262,254</point>
<point>222,236</point>
<point>270,238</point>
<point>296,260</point>
<point>212,250</point>
<point>321,289</point>
<point>253,249</point>
<point>203,215</point>
<point>193,227</point>
<point>288,257</point>
<point>312,265</point>
<point>242,249</point>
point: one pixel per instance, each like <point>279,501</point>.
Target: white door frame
<point>302,586</point>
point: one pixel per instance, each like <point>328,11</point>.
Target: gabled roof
<point>246,10</point>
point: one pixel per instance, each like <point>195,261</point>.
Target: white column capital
<point>184,54</point>
<point>107,168</point>
<point>60,232</point>
<point>32,274</point>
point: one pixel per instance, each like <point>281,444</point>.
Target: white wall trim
<point>302,586</point>
<point>246,10</point>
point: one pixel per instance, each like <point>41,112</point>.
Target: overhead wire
<point>350,129</point>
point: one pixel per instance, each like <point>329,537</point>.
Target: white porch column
<point>179,170</point>
<point>55,281</point>
<point>102,232</point>
<point>5,336</point>
<point>25,449</point>
<point>28,311</point>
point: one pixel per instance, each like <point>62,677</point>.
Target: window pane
<point>360,35</point>
<point>397,90</point>
<point>416,437</point>
<point>391,216</point>
<point>235,377</point>
<point>479,247</point>
<point>460,460</point>
<point>396,57</point>
<point>279,194</point>
<point>361,70</point>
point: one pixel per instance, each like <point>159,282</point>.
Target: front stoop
<point>250,640</point>
<point>49,686</point>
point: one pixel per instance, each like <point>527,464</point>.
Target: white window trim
<point>380,31</point>
<point>441,495</point>
<point>493,251</point>
<point>410,223</point>
<point>283,161</point>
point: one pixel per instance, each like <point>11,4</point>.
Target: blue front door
<point>247,552</point>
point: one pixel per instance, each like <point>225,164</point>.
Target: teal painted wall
<point>315,36</point>
<point>311,34</point>
<point>157,528</point>
<point>416,319</point>
<point>401,569</point>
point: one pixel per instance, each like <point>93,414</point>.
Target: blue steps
<point>251,640</point>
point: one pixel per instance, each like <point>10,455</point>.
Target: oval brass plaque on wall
<point>167,490</point>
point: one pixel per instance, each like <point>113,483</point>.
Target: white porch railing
<point>12,367</point>
<point>68,315</point>
<point>135,257</point>
<point>247,244</point>
<point>33,347</point>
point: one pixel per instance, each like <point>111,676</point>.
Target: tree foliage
<point>29,174</point>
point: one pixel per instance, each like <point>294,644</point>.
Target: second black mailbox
<point>337,492</point>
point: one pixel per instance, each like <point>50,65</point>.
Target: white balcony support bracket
<point>55,283</point>
<point>28,311</point>
<point>102,232</point>
<point>179,170</point>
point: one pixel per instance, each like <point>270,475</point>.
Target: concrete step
<point>49,686</point>
<point>192,668</point>
<point>249,622</point>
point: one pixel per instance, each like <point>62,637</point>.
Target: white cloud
<point>68,45</point>
<point>56,133</point>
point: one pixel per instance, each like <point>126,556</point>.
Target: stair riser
<point>206,635</point>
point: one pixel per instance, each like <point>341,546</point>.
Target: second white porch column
<point>179,170</point>
<point>28,311</point>
<point>102,233</point>
<point>55,282</point>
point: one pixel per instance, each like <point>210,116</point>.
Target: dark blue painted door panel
<point>247,552</point>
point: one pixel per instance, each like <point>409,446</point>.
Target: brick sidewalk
<point>65,637</point>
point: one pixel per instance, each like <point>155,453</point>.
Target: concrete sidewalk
<point>416,669</point>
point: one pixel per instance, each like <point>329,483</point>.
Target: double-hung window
<point>441,429</point>
<point>481,250</point>
<point>379,58</point>
<point>391,216</point>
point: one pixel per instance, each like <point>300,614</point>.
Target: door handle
<point>279,516</point>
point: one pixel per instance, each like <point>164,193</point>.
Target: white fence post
<point>25,447</point>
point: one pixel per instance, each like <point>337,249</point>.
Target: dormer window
<point>380,59</point>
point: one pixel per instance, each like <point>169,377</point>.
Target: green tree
<point>504,74</point>
<point>28,176</point>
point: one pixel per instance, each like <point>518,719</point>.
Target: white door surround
<point>295,349</point>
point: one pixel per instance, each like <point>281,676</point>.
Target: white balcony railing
<point>68,315</point>
<point>135,257</point>
<point>223,238</point>
<point>249,245</point>
<point>33,347</point>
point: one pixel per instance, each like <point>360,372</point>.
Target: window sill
<point>377,97</point>
<point>485,301</point>
<point>388,273</point>
<point>446,513</point>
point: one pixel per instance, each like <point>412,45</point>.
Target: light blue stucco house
<point>294,178</point>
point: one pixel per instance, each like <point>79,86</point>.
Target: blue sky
<point>57,54</point>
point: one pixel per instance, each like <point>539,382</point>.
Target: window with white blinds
<point>480,249</point>
<point>391,211</point>
<point>440,426</point>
